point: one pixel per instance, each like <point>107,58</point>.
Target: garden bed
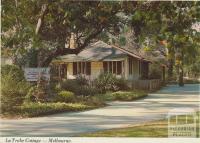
<point>42,109</point>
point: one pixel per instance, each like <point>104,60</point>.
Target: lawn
<point>150,129</point>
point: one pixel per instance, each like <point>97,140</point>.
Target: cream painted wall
<point>97,68</point>
<point>70,71</point>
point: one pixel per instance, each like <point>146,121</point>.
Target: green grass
<point>151,129</point>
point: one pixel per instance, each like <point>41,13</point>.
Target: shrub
<point>121,84</point>
<point>82,81</point>
<point>155,72</point>
<point>109,82</point>
<point>87,90</point>
<point>70,85</point>
<point>126,95</point>
<point>36,109</point>
<point>65,96</point>
<point>13,91</point>
<point>30,97</point>
<point>79,86</point>
<point>95,101</point>
<point>13,70</point>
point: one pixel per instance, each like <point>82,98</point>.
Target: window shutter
<point>88,68</point>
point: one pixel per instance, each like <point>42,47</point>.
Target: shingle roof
<point>98,51</point>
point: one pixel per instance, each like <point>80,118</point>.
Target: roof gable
<point>98,51</point>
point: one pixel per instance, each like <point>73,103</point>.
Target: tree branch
<point>41,18</point>
<point>63,51</point>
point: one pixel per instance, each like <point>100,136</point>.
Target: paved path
<point>118,114</point>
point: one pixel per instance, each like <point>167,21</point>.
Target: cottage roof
<point>98,51</point>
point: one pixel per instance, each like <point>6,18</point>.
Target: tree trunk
<point>180,81</point>
<point>170,69</point>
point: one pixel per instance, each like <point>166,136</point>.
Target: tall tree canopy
<point>45,27</point>
<point>48,25</point>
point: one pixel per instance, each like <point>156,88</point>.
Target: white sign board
<point>33,74</point>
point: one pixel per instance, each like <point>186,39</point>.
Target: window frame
<point>113,67</point>
<point>81,68</point>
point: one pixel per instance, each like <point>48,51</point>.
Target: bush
<point>36,109</point>
<point>125,95</point>
<point>82,81</point>
<point>65,96</point>
<point>79,86</point>
<point>15,71</point>
<point>109,82</point>
<point>95,101</point>
<point>13,91</point>
<point>70,85</point>
<point>30,97</point>
<point>87,91</point>
<point>121,84</point>
<point>155,72</point>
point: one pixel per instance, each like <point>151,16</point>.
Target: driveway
<point>118,114</point>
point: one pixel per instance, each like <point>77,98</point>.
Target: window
<point>114,67</point>
<point>119,67</point>
<point>81,68</point>
<point>59,70</point>
<point>88,68</point>
<point>105,66</point>
<point>134,66</point>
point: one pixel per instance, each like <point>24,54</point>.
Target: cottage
<point>99,58</point>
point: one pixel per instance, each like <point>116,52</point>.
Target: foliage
<point>69,85</point>
<point>81,80</point>
<point>14,71</point>
<point>56,21</point>
<point>79,86</point>
<point>13,91</point>
<point>84,19</point>
<point>87,90</point>
<point>155,71</point>
<point>36,109</point>
<point>171,22</point>
<point>122,41</point>
<point>125,95</point>
<point>109,82</point>
<point>95,101</point>
<point>65,96</point>
<point>30,96</point>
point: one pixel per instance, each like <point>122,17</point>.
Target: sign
<point>182,123</point>
<point>33,74</point>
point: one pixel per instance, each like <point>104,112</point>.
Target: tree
<point>171,22</point>
<point>51,24</point>
<point>47,26</point>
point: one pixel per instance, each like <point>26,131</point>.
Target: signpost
<point>33,74</point>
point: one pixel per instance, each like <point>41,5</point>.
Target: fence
<point>151,84</point>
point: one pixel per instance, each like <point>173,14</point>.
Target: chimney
<point>72,44</point>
